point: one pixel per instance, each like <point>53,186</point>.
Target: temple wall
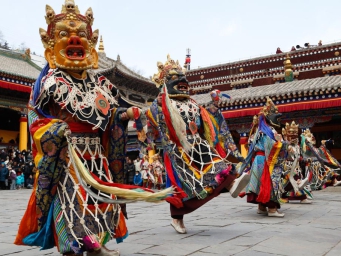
<point>8,135</point>
<point>336,152</point>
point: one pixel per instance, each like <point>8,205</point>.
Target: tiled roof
<point>18,64</point>
<point>106,64</point>
<point>277,90</point>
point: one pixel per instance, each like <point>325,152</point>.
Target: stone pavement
<point>224,226</point>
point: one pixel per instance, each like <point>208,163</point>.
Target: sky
<point>216,31</point>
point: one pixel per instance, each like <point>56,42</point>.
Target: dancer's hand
<point>124,116</point>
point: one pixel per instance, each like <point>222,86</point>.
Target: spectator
<point>24,154</point>
<point>137,163</point>
<point>29,181</point>
<point>12,178</point>
<point>138,179</point>
<point>10,150</point>
<point>27,171</point>
<point>130,172</point>
<point>21,159</point>
<point>7,160</point>
<point>20,181</point>
<point>16,168</point>
<point>147,176</point>
<point>3,175</point>
<point>3,154</point>
<point>29,156</point>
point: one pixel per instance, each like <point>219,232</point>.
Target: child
<point>138,179</point>
<point>20,181</point>
<point>12,178</point>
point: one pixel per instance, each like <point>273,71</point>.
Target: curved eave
<point>133,103</point>
<point>286,107</point>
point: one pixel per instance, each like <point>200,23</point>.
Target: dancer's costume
<point>267,153</point>
<point>321,166</point>
<point>292,170</point>
<point>78,145</point>
<point>189,136</point>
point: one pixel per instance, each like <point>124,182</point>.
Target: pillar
<point>243,144</point>
<point>23,133</point>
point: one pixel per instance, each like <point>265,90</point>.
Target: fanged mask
<point>290,132</point>
<point>271,113</point>
<point>309,136</point>
<point>173,77</point>
<point>69,41</point>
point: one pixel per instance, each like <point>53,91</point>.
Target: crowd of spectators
<point>142,173</point>
<point>16,169</point>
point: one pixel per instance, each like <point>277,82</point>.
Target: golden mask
<point>69,40</point>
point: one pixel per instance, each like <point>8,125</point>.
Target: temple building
<point>304,83</point>
<point>17,75</point>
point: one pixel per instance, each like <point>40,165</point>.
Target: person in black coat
<point>131,172</point>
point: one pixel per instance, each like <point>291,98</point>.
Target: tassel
<point>170,175</point>
<point>223,175</point>
<point>175,124</point>
<point>208,126</point>
<point>220,150</point>
<point>265,188</point>
<point>115,190</point>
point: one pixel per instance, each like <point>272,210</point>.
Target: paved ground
<point>225,226</point>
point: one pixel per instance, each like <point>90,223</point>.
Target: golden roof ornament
<point>101,45</point>
<point>288,73</point>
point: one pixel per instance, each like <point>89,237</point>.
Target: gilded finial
<point>288,73</point>
<point>101,45</point>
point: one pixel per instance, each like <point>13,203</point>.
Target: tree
<point>5,46</point>
<point>1,37</point>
